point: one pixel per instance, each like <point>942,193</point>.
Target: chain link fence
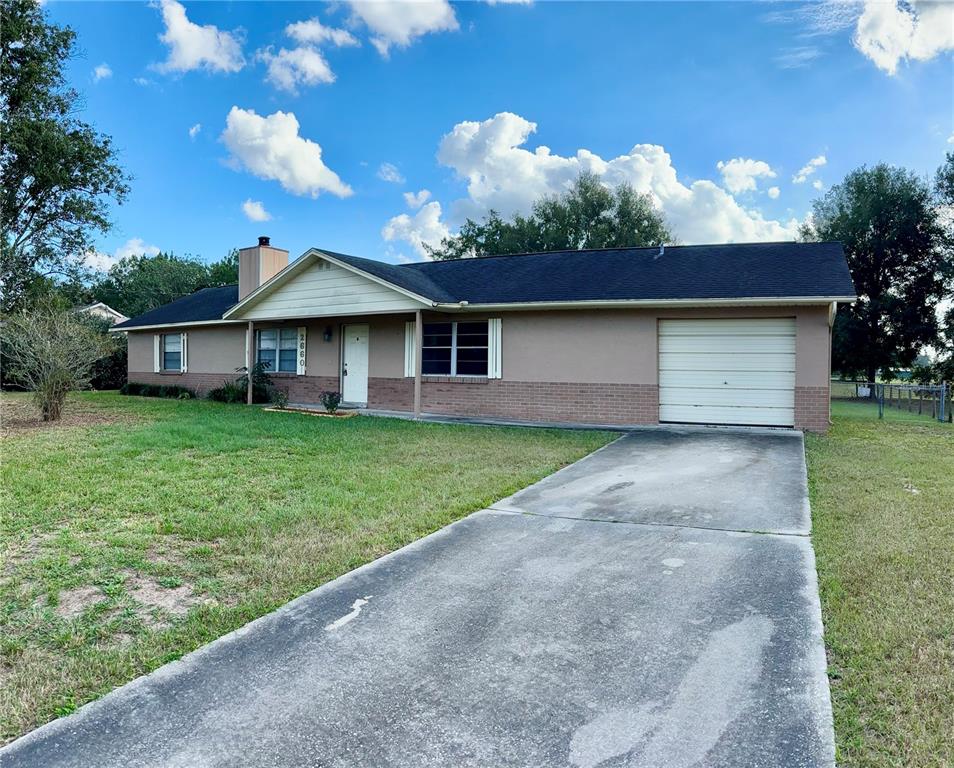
<point>928,400</point>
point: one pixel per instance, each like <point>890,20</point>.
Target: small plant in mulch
<point>280,399</point>
<point>330,401</point>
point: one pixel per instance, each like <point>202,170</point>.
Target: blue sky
<point>734,116</point>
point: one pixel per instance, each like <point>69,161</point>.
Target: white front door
<point>354,365</point>
<point>722,371</point>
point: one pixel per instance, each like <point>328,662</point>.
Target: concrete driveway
<point>652,605</point>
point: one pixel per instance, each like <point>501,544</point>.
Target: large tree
<point>899,253</point>
<point>588,215</point>
<point>57,173</point>
<point>139,283</point>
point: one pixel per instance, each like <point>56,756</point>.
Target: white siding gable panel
<point>326,289</point>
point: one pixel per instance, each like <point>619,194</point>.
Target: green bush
<point>330,401</point>
<point>280,399</point>
<point>172,391</point>
<point>229,392</point>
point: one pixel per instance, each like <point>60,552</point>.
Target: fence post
<point>943,401</point>
<point>879,390</point>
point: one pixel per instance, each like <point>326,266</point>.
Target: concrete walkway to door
<point>651,605</point>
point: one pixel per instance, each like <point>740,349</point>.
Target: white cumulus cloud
<point>255,211</point>
<point>774,192</point>
<point>313,32</point>
<point>101,72</point>
<point>818,184</point>
<point>305,64</point>
<point>741,174</point>
<point>390,173</point>
<point>194,130</point>
<point>288,69</point>
<point>424,227</point>
<point>271,148</point>
<point>809,169</point>
<point>891,32</point>
<point>135,246</point>
<point>415,200</point>
<point>401,22</point>
<point>192,46</point>
<point>502,174</point>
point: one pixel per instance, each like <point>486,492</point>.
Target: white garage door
<point>727,371</point>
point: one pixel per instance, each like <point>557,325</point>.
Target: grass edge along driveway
<point>882,496</point>
<point>126,545</point>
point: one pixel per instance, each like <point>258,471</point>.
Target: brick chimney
<point>259,263</point>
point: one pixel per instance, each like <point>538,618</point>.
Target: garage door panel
<point>727,362</point>
<point>729,379</point>
<point>754,398</point>
<point>716,415</point>
<point>774,326</point>
<point>734,371</point>
<point>729,344</point>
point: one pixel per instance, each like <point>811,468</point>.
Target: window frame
<point>454,349</point>
<point>290,344</point>
<point>162,353</point>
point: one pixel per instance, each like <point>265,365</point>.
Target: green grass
<point>127,545</point>
<point>882,497</point>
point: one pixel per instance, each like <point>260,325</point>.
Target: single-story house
<point>704,334</point>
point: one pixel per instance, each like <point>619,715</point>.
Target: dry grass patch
<point>19,415</point>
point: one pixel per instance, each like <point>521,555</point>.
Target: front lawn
<point>142,529</point>
<point>882,498</point>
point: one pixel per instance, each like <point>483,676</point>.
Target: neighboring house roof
<point>101,310</point>
<point>203,306</point>
<point>747,271</point>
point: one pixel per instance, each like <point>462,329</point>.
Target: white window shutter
<point>302,349</point>
<point>494,357</point>
<point>156,342</point>
<point>409,348</point>
<point>184,354</point>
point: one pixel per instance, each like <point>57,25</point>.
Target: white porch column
<point>418,354</point>
<point>249,357</point>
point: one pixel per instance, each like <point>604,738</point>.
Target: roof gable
<point>319,285</point>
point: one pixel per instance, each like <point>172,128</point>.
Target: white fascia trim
<point>306,258</point>
<point>649,303</point>
<point>176,325</point>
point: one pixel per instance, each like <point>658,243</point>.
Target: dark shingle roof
<point>734,271</point>
<point>750,270</point>
<point>206,304</point>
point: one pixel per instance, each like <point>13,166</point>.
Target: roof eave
<point>754,301</point>
<point>155,326</point>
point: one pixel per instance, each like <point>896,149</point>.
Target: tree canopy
<point>57,173</point>
<point>588,215</point>
<point>898,245</point>
<point>139,283</point>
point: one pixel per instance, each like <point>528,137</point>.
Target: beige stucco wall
<point>140,351</point>
<point>212,349</point>
<point>620,346</point>
<point>590,346</point>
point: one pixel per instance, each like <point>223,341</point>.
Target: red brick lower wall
<point>812,409</point>
<point>543,401</point>
<point>519,400</point>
